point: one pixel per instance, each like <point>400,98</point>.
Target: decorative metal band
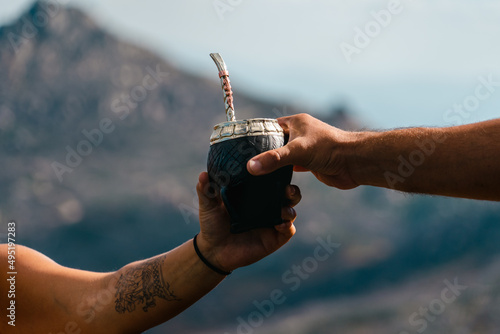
<point>248,127</point>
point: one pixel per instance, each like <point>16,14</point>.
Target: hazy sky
<point>395,63</point>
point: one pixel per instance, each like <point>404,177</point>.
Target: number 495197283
<point>11,247</point>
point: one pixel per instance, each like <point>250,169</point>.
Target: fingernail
<point>292,190</point>
<point>255,166</point>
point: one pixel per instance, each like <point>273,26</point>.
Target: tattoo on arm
<point>141,285</point>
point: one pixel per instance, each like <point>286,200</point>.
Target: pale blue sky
<point>422,59</point>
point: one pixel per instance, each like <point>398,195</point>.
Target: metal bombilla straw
<point>226,86</point>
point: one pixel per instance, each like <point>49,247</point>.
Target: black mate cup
<point>251,201</point>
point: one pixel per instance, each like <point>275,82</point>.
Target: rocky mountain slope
<point>102,141</point>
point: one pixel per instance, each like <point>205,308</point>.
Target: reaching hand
<point>229,251</point>
<point>312,146</point>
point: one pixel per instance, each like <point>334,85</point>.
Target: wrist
<point>209,255</point>
<point>360,156</point>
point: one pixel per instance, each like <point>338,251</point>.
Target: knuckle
<point>304,117</point>
<point>274,156</point>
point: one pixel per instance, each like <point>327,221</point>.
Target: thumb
<point>269,161</point>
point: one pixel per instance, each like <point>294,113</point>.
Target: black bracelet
<point>209,265</point>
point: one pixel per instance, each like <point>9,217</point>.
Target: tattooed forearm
<point>141,285</point>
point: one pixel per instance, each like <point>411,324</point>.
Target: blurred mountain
<point>102,143</point>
